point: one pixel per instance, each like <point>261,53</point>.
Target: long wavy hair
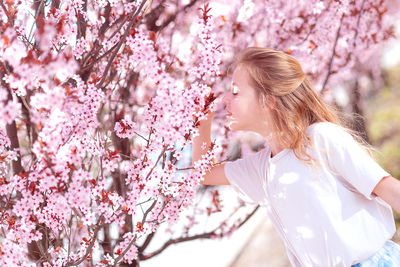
<point>278,78</point>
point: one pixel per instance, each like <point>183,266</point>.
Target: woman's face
<point>242,106</point>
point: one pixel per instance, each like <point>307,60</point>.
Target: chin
<point>234,127</point>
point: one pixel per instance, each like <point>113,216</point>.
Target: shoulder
<point>257,156</point>
<point>327,131</point>
<point>253,161</point>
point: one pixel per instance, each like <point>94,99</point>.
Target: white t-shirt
<point>326,214</point>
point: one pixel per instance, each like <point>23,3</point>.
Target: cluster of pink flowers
<point>132,251</point>
<point>82,46</point>
<point>204,164</point>
<point>124,128</point>
<point>6,156</point>
<point>210,52</point>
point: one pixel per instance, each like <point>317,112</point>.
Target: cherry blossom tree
<point>100,101</point>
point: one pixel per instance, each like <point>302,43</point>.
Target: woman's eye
<point>235,90</point>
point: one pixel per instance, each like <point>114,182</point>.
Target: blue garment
<point>387,256</point>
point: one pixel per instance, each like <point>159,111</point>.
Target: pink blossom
<point>125,128</point>
<point>81,47</point>
<point>131,253</point>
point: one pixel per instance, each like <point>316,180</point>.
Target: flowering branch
<point>194,237</point>
<point>134,18</point>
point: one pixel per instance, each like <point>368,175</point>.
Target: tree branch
<point>11,128</point>
<point>324,89</point>
<point>146,242</point>
<point>10,20</point>
<point>88,250</point>
<point>134,239</point>
<point>330,72</point>
<point>348,57</point>
<point>81,32</point>
<point>39,13</point>
<point>96,46</point>
<point>173,16</point>
<point>133,18</point>
<point>190,238</point>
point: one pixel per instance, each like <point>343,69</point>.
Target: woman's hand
<point>209,115</point>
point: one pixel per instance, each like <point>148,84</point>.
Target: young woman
<point>327,198</point>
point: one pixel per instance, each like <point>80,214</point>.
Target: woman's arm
<point>216,176</point>
<point>203,137</point>
<point>388,189</point>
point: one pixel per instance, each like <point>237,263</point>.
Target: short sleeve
<point>345,157</point>
<point>246,174</point>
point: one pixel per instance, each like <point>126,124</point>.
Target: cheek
<point>243,108</point>
<point>256,110</point>
<point>241,102</point>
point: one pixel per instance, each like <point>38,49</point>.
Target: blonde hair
<point>279,79</point>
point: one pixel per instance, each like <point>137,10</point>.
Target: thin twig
<point>97,59</point>
<point>133,20</point>
<point>134,239</point>
<point>324,89</point>
<point>7,13</point>
<point>155,164</point>
<point>89,248</point>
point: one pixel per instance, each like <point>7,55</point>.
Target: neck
<point>276,147</point>
<point>265,130</point>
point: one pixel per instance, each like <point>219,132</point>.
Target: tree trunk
<point>359,124</point>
